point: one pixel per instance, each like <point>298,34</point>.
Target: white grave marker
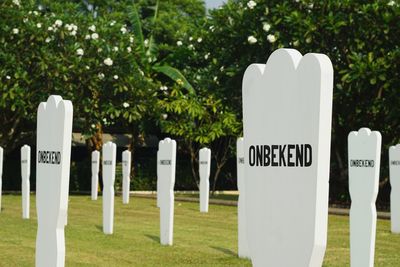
<point>204,170</point>
<point>364,163</point>
<point>109,158</point>
<point>95,173</point>
<point>126,173</point>
<point>25,174</point>
<point>166,177</point>
<point>287,108</point>
<point>1,173</point>
<point>243,247</point>
<point>394,171</point>
<point>53,150</point>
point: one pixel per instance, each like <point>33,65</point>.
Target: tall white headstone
<point>95,173</point>
<point>394,171</point>
<point>109,158</point>
<point>243,247</point>
<point>287,109</point>
<point>126,176</point>
<point>204,171</point>
<point>364,163</point>
<point>25,175</point>
<point>53,151</point>
<point>1,174</point>
<point>166,172</point>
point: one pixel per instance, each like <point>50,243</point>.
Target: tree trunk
<point>194,164</point>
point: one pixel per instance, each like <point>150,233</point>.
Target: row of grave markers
<point>287,110</point>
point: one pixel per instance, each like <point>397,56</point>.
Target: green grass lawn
<point>199,239</point>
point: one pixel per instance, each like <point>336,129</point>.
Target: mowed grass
<point>199,239</point>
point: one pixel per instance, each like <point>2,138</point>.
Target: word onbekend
<point>290,155</point>
<point>49,157</point>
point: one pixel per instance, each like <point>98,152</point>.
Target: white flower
<point>95,36</point>
<point>391,3</point>
<point>129,49</point>
<point>190,38</point>
<point>271,38</point>
<point>125,105</point>
<point>131,39</point>
<point>163,88</point>
<point>251,4</point>
<point>308,40</point>
<point>206,56</point>
<point>73,33</point>
<point>179,43</point>
<point>16,2</point>
<point>99,50</point>
<point>93,126</point>
<point>92,28</point>
<point>58,23</point>
<point>48,40</point>
<point>311,5</point>
<point>296,43</point>
<point>39,25</point>
<point>191,47</point>
<point>79,52</point>
<point>101,76</point>
<point>266,11</point>
<point>108,62</point>
<point>251,39</point>
<point>71,27</point>
<point>215,78</point>
<point>199,40</point>
<point>115,48</point>
<point>35,13</point>
<point>15,31</point>
<point>87,67</point>
<point>50,29</point>
<point>115,77</point>
<point>141,72</point>
<point>164,116</point>
<point>87,36</point>
<point>123,30</point>
<point>222,69</point>
<point>146,42</point>
<point>266,27</point>
<point>25,20</point>
<point>112,23</point>
<point>211,28</point>
<point>8,77</point>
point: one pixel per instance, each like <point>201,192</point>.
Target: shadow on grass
<point>225,251</point>
<point>99,227</point>
<point>153,237</point>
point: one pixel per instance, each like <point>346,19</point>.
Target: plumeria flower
<point>115,77</point>
<point>112,23</point>
<point>191,47</point>
<point>50,29</point>
<point>141,72</point>
<point>73,33</point>
<point>215,78</point>
<point>92,28</point>
<point>87,67</point>
<point>99,50</point>
<point>93,126</point>
<point>271,38</point>
<point>35,13</point>
<point>79,52</point>
<point>58,23</point>
<point>164,116</point>
<point>251,39</point>
<point>39,25</point>
<point>190,38</point>
<point>15,31</point>
<point>115,48</point>
<point>266,27</point>
<point>125,105</point>
<point>179,43</point>
<point>108,62</point>
<point>129,49</point>
<point>101,76</point>
<point>87,36</point>
<point>199,40</point>
<point>251,4</point>
<point>206,56</point>
<point>48,40</point>
<point>123,30</point>
<point>163,88</point>
<point>8,77</point>
<point>131,39</point>
<point>25,20</point>
<point>95,36</point>
<point>391,3</point>
<point>146,42</point>
<point>296,43</point>
<point>16,2</point>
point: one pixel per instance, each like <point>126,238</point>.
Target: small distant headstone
<point>204,171</point>
<point>95,173</point>
<point>53,154</point>
<point>287,112</point>
<point>166,177</point>
<point>25,174</point>
<point>109,158</point>
<point>243,248</point>
<point>1,173</point>
<point>126,173</point>
<point>364,163</point>
<point>394,170</point>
